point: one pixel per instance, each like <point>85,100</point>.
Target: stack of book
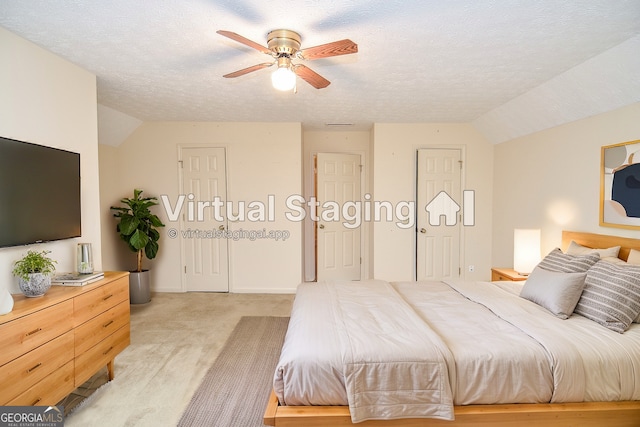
<point>76,279</point>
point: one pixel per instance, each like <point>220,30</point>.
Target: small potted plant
<point>137,227</point>
<point>34,272</point>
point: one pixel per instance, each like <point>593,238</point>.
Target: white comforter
<point>491,346</point>
<point>393,363</point>
<point>589,363</point>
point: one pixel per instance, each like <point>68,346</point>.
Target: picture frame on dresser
<point>620,185</point>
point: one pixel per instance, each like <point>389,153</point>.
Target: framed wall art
<point>620,185</point>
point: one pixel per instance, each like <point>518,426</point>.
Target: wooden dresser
<point>52,344</point>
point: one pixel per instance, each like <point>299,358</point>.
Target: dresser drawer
<point>51,390</point>
<point>89,362</point>
<point>97,329</point>
<point>29,369</point>
<point>92,303</point>
<point>24,334</point>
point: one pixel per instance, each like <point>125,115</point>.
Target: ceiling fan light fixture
<point>283,78</point>
<point>283,45</point>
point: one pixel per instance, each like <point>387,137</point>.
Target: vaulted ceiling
<point>510,67</point>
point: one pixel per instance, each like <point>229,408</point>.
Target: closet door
<point>205,252</point>
<point>438,218</point>
<point>338,245</point>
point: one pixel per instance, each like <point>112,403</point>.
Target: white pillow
<point>557,292</point>
<point>577,249</point>
<point>634,257</point>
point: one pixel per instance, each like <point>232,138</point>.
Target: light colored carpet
<point>235,390</point>
<point>175,339</point>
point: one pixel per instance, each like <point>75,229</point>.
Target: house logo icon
<point>443,205</point>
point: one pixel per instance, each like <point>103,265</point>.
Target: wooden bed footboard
<point>588,414</point>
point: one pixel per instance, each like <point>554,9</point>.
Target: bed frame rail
<point>588,414</point>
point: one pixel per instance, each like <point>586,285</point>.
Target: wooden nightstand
<point>506,274</point>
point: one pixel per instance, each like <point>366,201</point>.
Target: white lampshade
<point>526,250</point>
<point>283,79</point>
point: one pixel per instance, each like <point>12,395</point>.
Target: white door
<point>205,264</point>
<point>338,181</point>
<point>438,218</point>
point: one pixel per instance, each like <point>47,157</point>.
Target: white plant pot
<point>37,285</point>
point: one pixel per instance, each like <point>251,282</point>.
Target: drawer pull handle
<point>34,331</point>
<point>34,368</point>
<point>107,324</point>
<point>108,350</point>
<point>36,401</point>
<point>107,297</point>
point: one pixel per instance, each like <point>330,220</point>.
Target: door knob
<point>423,230</point>
<point>321,226</point>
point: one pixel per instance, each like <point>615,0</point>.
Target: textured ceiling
<point>418,60</point>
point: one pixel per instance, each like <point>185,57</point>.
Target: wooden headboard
<point>591,240</point>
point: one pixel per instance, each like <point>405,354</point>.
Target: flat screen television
<point>39,193</point>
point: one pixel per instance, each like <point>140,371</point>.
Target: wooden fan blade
<point>248,70</point>
<point>311,77</point>
<point>341,47</point>
<point>244,41</point>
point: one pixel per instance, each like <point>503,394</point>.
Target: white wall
<point>110,194</point>
<point>394,179</point>
<point>49,101</point>
<point>551,180</point>
<point>262,159</point>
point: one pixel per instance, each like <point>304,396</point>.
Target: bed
<point>482,354</point>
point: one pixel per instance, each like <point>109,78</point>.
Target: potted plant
<point>137,227</point>
<point>34,272</point>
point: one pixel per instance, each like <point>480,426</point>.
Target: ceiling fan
<point>284,46</point>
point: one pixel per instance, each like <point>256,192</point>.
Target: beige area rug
<point>235,390</point>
